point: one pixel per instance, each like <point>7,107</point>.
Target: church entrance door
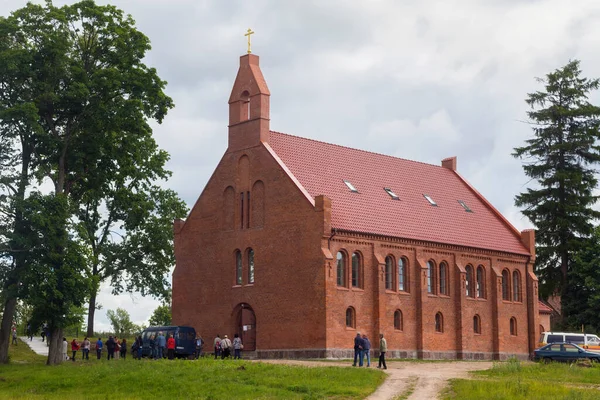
<point>247,327</point>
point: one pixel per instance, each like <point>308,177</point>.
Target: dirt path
<point>425,379</point>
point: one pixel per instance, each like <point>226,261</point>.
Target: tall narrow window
<point>513,326</point>
<point>444,279</point>
<point>469,282</point>
<point>341,269</point>
<point>350,318</point>
<point>480,282</point>
<point>389,273</point>
<point>356,271</point>
<point>430,276</point>
<point>439,322</point>
<point>505,285</point>
<point>516,286</point>
<point>398,320</point>
<point>477,324</point>
<point>250,266</point>
<point>238,267</point>
<point>402,275</point>
<point>242,210</point>
<point>247,209</point>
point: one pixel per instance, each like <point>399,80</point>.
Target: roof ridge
<point>359,150</point>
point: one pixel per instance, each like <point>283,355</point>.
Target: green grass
<point>515,381</point>
<point>28,378</point>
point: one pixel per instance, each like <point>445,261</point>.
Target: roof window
<point>393,195</point>
<point>430,200</point>
<point>350,186</point>
<point>465,206</point>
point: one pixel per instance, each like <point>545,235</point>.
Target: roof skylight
<point>465,206</point>
<point>393,195</point>
<point>350,186</point>
<point>430,200</point>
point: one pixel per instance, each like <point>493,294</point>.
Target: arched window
<point>398,320</point>
<point>480,282</point>
<point>505,285</point>
<point>350,318</point>
<point>513,326</point>
<point>341,268</point>
<point>439,322</point>
<point>469,282</point>
<point>477,324</point>
<point>542,329</point>
<point>356,271</point>
<point>250,266</point>
<point>430,276</point>
<point>402,275</point>
<point>516,286</point>
<point>238,267</point>
<point>389,273</point>
<point>444,284</point>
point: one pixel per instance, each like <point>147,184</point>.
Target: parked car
<point>586,340</point>
<point>566,352</point>
<point>185,336</point>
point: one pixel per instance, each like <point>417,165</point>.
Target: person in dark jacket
<point>123,348</point>
<point>366,349</point>
<point>140,347</point>
<point>152,343</point>
<point>99,348</point>
<point>358,347</point>
<point>110,347</point>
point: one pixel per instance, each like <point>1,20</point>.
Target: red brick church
<point>297,244</point>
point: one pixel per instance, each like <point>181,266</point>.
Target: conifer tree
<point>561,159</point>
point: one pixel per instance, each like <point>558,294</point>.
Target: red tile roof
<point>321,169</point>
<point>543,308</point>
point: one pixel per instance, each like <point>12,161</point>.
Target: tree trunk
<point>91,312</point>
<point>55,354</point>
<point>9,311</point>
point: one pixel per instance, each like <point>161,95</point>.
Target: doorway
<point>246,325</point>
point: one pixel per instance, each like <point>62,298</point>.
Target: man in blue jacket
<point>161,343</point>
<point>366,350</point>
<point>358,348</point>
<point>99,348</point>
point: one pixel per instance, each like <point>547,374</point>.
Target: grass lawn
<point>27,377</point>
<point>515,381</point>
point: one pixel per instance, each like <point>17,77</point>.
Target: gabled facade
<point>297,244</point>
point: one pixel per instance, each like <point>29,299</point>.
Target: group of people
<point>160,347</point>
<point>115,348</point>
<point>224,346</point>
<point>362,349</point>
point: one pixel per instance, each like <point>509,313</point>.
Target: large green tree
<point>582,302</point>
<point>561,159</point>
<point>121,323</point>
<point>90,95</point>
<point>161,316</point>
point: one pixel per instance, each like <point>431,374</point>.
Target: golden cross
<point>250,32</point>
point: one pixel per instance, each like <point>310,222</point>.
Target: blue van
<point>185,339</point>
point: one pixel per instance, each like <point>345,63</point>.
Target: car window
<point>574,339</point>
<point>554,347</point>
<point>555,338</point>
<point>570,348</point>
<point>593,339</point>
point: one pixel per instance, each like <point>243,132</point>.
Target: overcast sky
<point>417,79</point>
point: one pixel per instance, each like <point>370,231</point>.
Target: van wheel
<point>547,360</point>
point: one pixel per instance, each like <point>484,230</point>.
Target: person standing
<point>99,345</point>
<point>117,348</point>
<point>140,347</point>
<point>14,336</point>
<point>65,348</point>
<point>367,349</point>
<point>358,346</point>
<point>171,347</point>
<point>110,348</point>
<point>29,332</point>
<point>237,347</point>
<point>123,348</point>
<point>199,344</point>
<point>74,348</point>
<point>382,351</point>
<point>85,352</point>
<point>225,347</point>
<point>153,351</point>
<point>162,343</point>
<point>217,344</point>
